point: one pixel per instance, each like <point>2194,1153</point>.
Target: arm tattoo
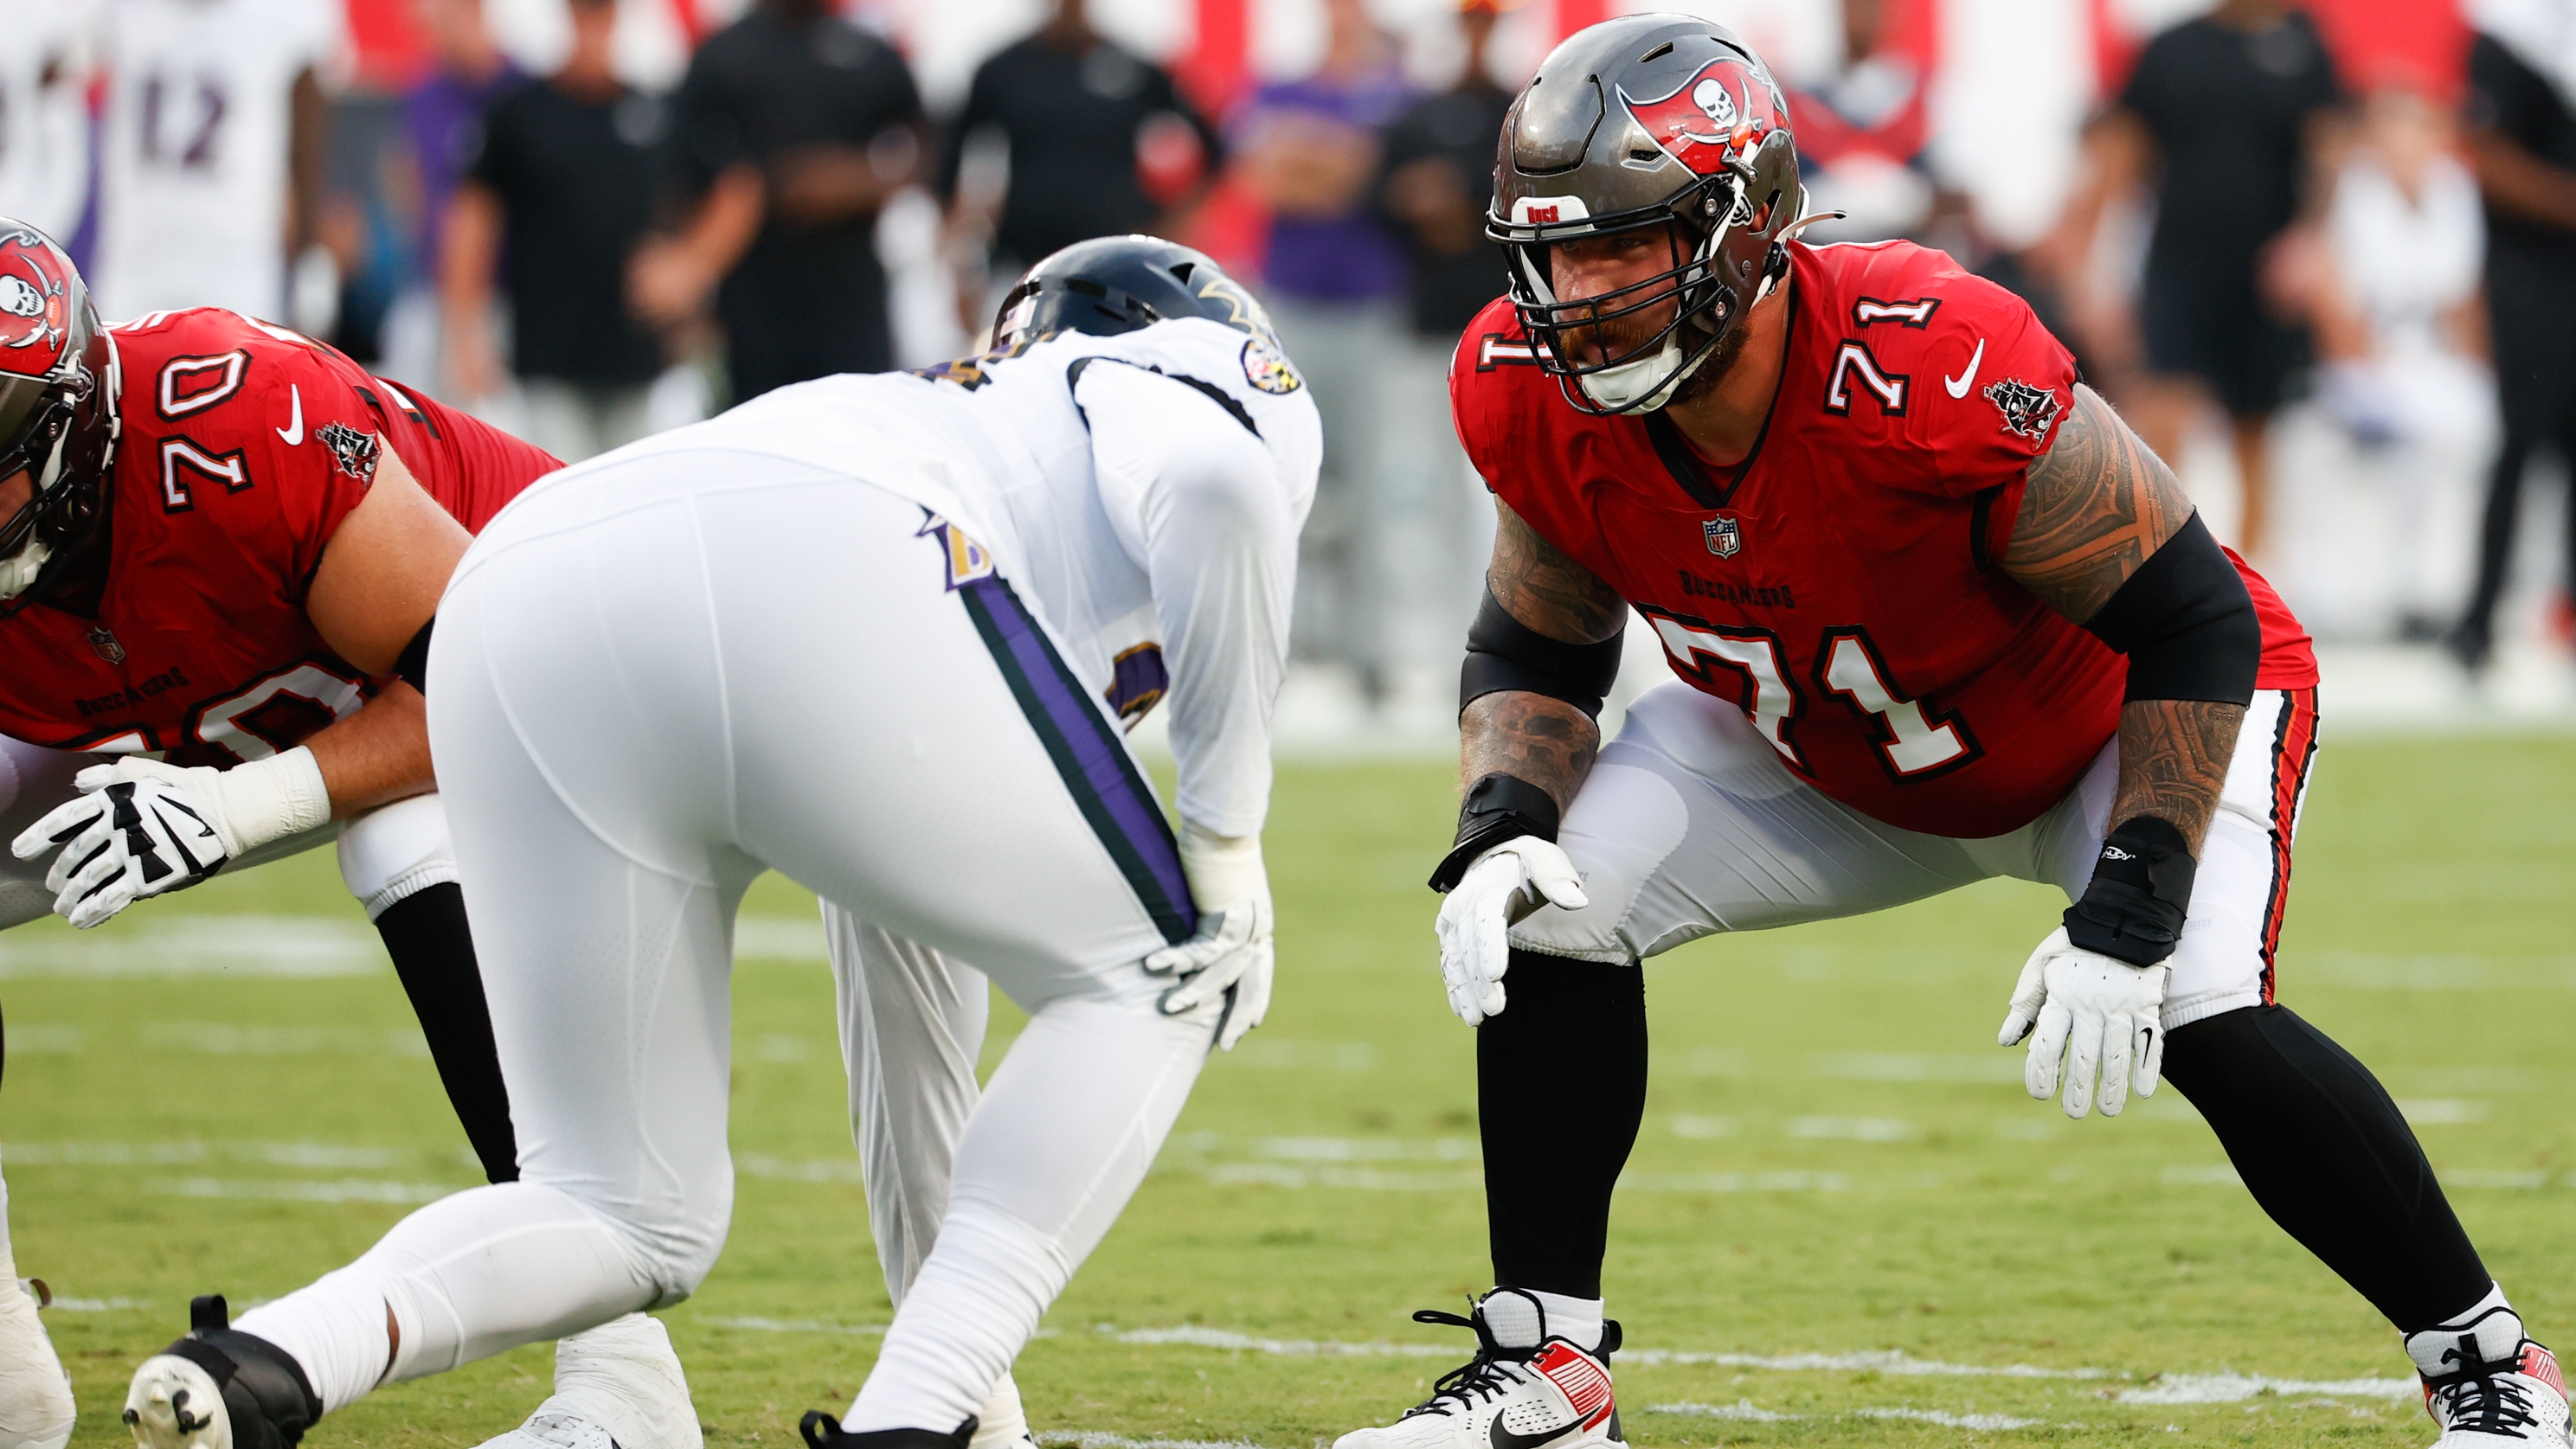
<point>2098,502</point>
<point>1545,741</point>
<point>2173,759</point>
<point>1547,590</point>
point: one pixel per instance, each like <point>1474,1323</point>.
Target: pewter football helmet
<point>1660,121</point>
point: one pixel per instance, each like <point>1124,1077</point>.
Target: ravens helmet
<point>58,388</point>
<point>1659,122</point>
<point>1115,284</point>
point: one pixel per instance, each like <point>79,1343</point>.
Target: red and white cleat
<point>1524,1389</point>
<point>2489,1386</point>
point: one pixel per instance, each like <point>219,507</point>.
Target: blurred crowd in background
<point>2321,253</point>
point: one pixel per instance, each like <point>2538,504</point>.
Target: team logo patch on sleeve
<point>1267,368</point>
<point>965,559</point>
<point>2027,410</point>
<point>352,452</point>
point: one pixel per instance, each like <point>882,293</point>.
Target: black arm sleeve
<point>1504,653</point>
<point>2186,623</point>
<point>413,663</point>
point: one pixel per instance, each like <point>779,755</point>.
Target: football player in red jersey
<point>220,547</point>
<point>1937,615</point>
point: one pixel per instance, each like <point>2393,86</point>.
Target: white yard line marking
<point>1095,1439</point>
<point>1196,1337</point>
<point>199,944</point>
<point>1951,1421</point>
<point>1741,1410</point>
<point>347,1190</point>
<point>797,1325</point>
<point>2165,1389</point>
<point>2230,1388</point>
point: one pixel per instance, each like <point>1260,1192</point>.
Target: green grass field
<point>1844,1223</point>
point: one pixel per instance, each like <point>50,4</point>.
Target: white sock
<point>467,1276</point>
<point>1002,1422</point>
<point>2490,1322</point>
<point>1576,1320</point>
<point>1064,1133</point>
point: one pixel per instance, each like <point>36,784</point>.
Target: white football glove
<point>143,828</point>
<point>1505,884</point>
<point>2095,1011</point>
<point>1231,954</point>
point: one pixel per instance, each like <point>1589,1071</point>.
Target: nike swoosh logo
<point>293,432</point>
<point>1505,1439</point>
<point>1958,386</point>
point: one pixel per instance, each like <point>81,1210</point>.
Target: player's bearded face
<point>1623,324</point>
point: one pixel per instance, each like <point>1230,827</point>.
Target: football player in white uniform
<point>210,165</point>
<point>877,633</point>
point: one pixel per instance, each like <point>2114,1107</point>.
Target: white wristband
<point>270,799</point>
<point>1223,869</point>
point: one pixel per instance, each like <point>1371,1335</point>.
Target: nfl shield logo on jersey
<point>1725,536</point>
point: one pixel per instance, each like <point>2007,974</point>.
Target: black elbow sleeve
<point>2186,623</point>
<point>1504,653</point>
<point>413,664</point>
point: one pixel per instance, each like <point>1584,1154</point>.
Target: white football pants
<point>655,679</point>
<point>1692,824</point>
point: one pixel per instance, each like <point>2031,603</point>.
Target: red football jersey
<point>241,448</point>
<point>1840,584</point>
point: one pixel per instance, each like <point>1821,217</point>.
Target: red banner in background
<point>390,52</point>
<point>1214,69</point>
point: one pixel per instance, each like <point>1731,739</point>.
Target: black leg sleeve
<point>1560,1089</point>
<point>434,954</point>
<point>2329,1156</point>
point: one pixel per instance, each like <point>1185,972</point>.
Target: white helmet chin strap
<point>1645,384</point>
<point>18,571</point>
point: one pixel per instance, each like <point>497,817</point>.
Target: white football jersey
<point>1141,493</point>
<point>193,164</point>
<point>44,138</point>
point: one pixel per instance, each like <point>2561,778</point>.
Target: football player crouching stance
<point>220,545</point>
<point>1936,615</point>
<point>968,578</point>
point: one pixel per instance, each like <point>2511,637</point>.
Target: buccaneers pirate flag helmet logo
<point>57,399</point>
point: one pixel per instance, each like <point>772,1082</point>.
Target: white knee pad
<point>396,851</point>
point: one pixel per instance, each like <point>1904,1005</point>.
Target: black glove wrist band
<point>1498,807</point>
<point>2140,893</point>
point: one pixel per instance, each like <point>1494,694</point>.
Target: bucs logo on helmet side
<point>35,304</point>
<point>1721,114</point>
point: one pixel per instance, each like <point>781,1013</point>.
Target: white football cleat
<point>617,1386</point>
<point>174,1403</point>
<point>2488,1386</point>
<point>35,1394</point>
<point>219,1388</point>
<point>1524,1389</point>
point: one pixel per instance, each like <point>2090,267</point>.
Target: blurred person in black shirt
<point>1435,180</point>
<point>1077,112</point>
<point>795,126</point>
<point>2522,143</point>
<point>556,195</point>
<point>2221,117</point>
